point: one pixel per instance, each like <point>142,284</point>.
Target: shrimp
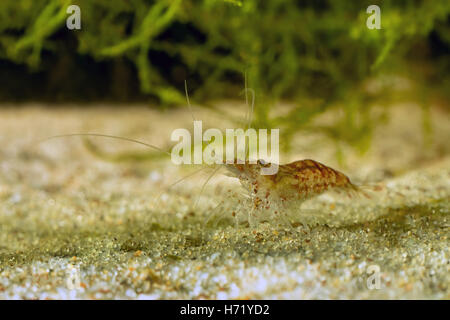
<point>271,195</point>
<point>267,196</point>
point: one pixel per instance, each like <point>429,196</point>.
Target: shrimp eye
<point>261,162</point>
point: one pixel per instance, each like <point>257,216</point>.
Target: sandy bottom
<point>74,226</point>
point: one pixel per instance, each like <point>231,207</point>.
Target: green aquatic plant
<point>317,54</point>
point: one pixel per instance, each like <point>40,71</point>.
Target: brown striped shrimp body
<point>271,195</point>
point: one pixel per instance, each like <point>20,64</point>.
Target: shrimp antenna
<point>249,113</point>
<point>187,98</point>
<point>105,136</point>
<point>130,140</point>
<point>178,181</point>
<point>250,108</point>
<point>204,185</point>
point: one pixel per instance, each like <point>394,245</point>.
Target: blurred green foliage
<point>318,54</point>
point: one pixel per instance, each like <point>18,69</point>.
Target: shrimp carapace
<point>299,179</point>
<point>294,183</point>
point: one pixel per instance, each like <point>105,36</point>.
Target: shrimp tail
<point>368,191</point>
<point>353,190</point>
